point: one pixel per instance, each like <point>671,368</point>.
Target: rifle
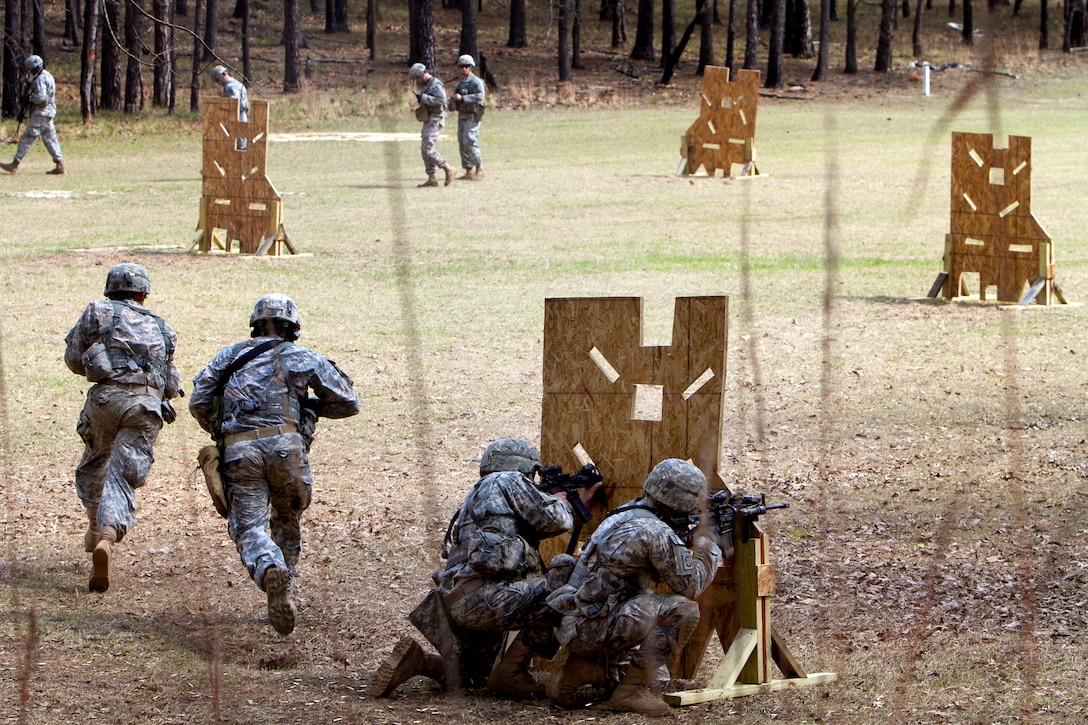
<point>553,480</point>
<point>24,104</point>
<point>725,510</point>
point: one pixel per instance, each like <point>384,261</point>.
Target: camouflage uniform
<point>123,414</point>
<point>468,125</point>
<point>264,463</point>
<point>432,95</point>
<point>235,89</point>
<point>609,605</point>
<point>43,92</point>
<point>493,581</point>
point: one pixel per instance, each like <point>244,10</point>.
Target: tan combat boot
<point>90,536</point>
<point>570,672</point>
<point>469,175</point>
<point>449,174</point>
<point>479,173</point>
<point>57,170</point>
<point>100,559</point>
<point>10,168</point>
<point>633,695</point>
<point>511,676</point>
<point>281,610</point>
<point>405,662</point>
<point>431,181</point>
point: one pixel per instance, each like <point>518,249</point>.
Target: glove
<point>169,415</point>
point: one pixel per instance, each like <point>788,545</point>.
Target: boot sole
<point>100,574</point>
<point>403,663</point>
<point>281,610</point>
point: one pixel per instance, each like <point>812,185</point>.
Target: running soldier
<point>468,101</point>
<point>493,582</point>
<point>431,95</point>
<point>127,351</point>
<point>254,399</point>
<point>611,611</point>
<point>41,96</point>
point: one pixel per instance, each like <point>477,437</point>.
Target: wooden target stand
<point>240,210</point>
<point>625,406</point>
<point>725,133</point>
<point>993,232</point>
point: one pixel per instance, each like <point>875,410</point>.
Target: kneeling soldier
<point>611,611</point>
<point>493,583</point>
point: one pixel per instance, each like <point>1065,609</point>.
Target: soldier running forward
<point>431,95</point>
<point>41,103</point>
<point>254,398</point>
<point>611,611</point>
<point>468,101</point>
<point>127,351</point>
<point>493,583</point>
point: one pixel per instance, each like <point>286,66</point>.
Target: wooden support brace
<point>693,697</point>
<point>1033,291</point>
<point>938,284</point>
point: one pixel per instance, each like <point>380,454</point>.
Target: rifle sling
<point>240,362</point>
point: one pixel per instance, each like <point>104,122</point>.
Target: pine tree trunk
<point>292,39</point>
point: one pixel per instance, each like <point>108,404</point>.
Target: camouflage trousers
<point>268,484</point>
<point>428,148</point>
<point>39,127</point>
<point>468,133</point>
<point>119,429</point>
<point>504,606</point>
<point>647,627</point>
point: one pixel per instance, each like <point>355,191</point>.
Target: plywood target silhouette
<point>625,406</point>
<point>993,232</point>
<point>725,133</point>
<point>240,210</point>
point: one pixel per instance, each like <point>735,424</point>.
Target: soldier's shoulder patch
<point>683,558</point>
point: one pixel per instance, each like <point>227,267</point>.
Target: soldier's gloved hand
<point>169,415</point>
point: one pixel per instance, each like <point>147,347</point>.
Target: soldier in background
<point>493,582</point>
<point>431,95</point>
<point>232,88</point>
<point>41,97</point>
<point>611,611</point>
<point>254,398</point>
<point>127,351</point>
<point>468,101</point>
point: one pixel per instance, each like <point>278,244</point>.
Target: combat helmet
<point>509,454</point>
<point>277,306</point>
<point>466,61</point>
<point>677,484</point>
<point>34,63</point>
<point>127,277</point>
<point>417,70</point>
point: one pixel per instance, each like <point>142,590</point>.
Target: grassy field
<point>934,553</point>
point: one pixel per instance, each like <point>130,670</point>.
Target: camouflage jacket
<point>139,343</point>
<point>433,96</point>
<point>498,529</point>
<point>472,94</point>
<point>235,89</point>
<point>629,554</point>
<point>43,95</point>
<point>271,388</point>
